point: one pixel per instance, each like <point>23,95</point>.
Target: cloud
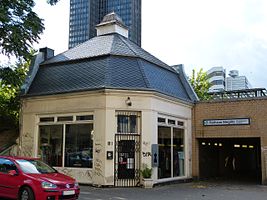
<point>208,33</point>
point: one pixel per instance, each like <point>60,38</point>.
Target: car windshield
<point>35,167</point>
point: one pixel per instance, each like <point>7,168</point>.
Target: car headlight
<point>76,184</point>
<point>47,185</point>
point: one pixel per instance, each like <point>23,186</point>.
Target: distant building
<point>217,79</point>
<point>130,13</point>
<point>236,82</point>
<point>86,14</point>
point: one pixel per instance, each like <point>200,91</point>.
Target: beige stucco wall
<point>103,105</point>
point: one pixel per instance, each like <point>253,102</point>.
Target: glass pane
<point>79,145</point>
<point>85,117</point>
<point>127,124</point>
<point>50,144</point>
<point>133,124</point>
<point>161,120</point>
<point>170,121</point>
<point>47,119</point>
<point>65,118</point>
<point>35,167</point>
<point>6,165</point>
<point>178,152</point>
<point>180,123</point>
<point>164,141</point>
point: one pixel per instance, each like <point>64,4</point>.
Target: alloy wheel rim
<point>24,195</point>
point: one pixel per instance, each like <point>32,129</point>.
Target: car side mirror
<point>12,173</point>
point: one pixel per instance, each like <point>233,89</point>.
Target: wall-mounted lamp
<point>128,102</point>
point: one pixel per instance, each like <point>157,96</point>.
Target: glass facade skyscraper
<point>85,14</point>
<point>130,13</point>
<point>83,17</point>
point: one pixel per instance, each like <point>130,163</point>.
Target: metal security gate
<point>127,160</point>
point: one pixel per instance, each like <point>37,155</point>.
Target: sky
<point>196,33</point>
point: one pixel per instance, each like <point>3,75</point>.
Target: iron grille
<point>127,160</point>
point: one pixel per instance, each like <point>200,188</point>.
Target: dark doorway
<point>235,159</point>
<point>127,160</point>
<point>126,156</point>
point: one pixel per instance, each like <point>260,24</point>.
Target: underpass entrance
<point>236,159</point>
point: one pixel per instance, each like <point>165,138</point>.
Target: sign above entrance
<point>226,122</point>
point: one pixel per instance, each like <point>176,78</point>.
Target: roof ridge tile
<point>141,66</point>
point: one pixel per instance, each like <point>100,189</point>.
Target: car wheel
<point>26,194</point>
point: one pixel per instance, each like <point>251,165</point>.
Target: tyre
<point>26,193</point>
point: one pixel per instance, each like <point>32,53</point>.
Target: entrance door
<point>127,156</point>
<point>127,149</point>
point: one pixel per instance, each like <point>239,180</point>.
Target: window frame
<point>64,124</point>
<point>128,114</point>
<point>170,118</point>
<point>172,127</point>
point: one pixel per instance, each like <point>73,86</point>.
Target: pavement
<point>202,190</point>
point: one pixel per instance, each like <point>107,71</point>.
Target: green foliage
<point>11,80</point>
<point>200,83</point>
<point>20,27</point>
<point>146,172</point>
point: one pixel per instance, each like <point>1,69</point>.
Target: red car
<point>31,179</point>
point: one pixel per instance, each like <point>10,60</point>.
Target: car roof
<point>19,158</point>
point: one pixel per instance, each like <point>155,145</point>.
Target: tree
<point>20,27</point>
<point>200,83</point>
<point>11,80</point>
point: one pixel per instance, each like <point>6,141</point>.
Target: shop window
<point>127,123</point>
<point>164,142</point>
<point>171,152</point>
<point>76,138</point>
<point>79,146</point>
<point>178,152</point>
<point>50,144</point>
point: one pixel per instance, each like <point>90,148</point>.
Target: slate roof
<point>111,44</point>
<point>112,62</point>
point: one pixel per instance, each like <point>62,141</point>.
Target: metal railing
<point>6,149</point>
<point>239,94</point>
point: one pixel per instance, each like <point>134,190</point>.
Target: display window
<point>171,149</point>
<point>66,141</point>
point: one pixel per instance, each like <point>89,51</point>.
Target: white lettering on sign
<point>225,122</point>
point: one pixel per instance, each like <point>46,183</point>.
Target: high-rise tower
<point>86,14</point>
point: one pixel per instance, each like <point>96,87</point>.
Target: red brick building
<point>230,137</point>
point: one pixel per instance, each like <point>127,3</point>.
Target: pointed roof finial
<point>112,23</point>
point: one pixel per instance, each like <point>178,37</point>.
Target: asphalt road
<point>182,191</point>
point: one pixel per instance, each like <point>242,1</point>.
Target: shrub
<point>146,172</point>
